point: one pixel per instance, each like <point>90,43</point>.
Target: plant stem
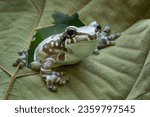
<point>11,82</point>
<point>5,70</point>
<point>27,74</point>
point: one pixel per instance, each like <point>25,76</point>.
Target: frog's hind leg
<point>51,77</point>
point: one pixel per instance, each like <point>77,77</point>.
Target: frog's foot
<point>106,39</point>
<point>113,36</point>
<point>51,77</point>
<point>111,39</point>
<point>22,60</point>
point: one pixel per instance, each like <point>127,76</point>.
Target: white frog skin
<point>69,47</point>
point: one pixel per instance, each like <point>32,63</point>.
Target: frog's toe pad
<point>63,81</point>
<point>52,88</point>
<point>53,79</point>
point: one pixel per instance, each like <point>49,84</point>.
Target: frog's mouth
<point>80,37</point>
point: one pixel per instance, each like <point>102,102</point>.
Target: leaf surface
<point>118,72</point>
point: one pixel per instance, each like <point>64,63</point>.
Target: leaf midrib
<point>14,75</point>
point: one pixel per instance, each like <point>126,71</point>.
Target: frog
<point>69,47</point>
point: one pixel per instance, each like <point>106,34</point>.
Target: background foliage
<point>119,72</point>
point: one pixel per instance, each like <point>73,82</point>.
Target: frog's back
<point>48,47</point>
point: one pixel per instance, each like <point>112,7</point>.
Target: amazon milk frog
<point>69,47</point>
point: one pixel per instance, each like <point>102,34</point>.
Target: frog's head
<point>83,40</point>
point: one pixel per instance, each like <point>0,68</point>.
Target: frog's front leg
<point>22,59</point>
<point>108,40</point>
<point>111,38</point>
<point>105,39</point>
<point>51,77</point>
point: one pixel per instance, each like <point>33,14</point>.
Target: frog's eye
<point>71,32</point>
<point>98,28</point>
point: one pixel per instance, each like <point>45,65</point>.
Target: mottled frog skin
<point>69,47</point>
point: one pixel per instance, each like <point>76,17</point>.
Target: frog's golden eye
<point>71,32</point>
<point>98,28</point>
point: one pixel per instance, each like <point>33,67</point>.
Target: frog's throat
<point>82,49</point>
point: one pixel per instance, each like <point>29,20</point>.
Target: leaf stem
<point>11,82</point>
<point>5,70</point>
<point>14,76</point>
<point>27,74</point>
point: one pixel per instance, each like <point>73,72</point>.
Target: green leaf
<point>61,21</point>
<point>118,72</point>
